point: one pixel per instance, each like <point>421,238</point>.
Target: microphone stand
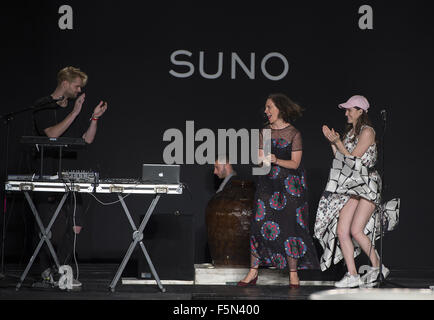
<point>381,281</point>
<point>7,118</point>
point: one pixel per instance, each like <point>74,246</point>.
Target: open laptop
<point>160,173</point>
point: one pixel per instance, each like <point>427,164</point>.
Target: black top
<point>47,115</point>
<point>51,114</point>
<point>228,182</point>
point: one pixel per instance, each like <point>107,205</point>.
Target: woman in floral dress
<point>279,228</point>
<point>353,194</point>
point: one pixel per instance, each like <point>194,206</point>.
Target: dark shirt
<point>226,182</point>
<point>52,114</point>
<point>47,116</point>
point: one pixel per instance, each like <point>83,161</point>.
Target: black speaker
<point>169,240</point>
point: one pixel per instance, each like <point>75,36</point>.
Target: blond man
<point>60,115</point>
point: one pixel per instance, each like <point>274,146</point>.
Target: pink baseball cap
<point>356,101</point>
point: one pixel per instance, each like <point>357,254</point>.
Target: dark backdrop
<point>125,48</point>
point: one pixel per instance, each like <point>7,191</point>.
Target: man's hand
<point>78,104</point>
<point>99,110</point>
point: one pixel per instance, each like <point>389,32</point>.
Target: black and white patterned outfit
<point>357,177</point>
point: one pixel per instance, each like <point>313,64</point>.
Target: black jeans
<point>62,234</point>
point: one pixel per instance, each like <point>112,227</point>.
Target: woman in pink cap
<point>352,195</point>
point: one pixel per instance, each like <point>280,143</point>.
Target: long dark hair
<point>289,111</point>
<point>363,120</point>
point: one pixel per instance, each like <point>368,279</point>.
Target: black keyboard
<point>28,177</point>
<point>46,141</point>
<point>120,181</point>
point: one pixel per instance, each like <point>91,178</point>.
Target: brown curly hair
<point>289,111</point>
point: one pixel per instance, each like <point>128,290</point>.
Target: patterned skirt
<point>279,229</point>
<point>350,178</point>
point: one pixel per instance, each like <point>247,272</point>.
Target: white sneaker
<point>372,274</point>
<point>349,281</point>
<point>76,283</point>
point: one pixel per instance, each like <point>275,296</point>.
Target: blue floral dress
<point>279,230</point>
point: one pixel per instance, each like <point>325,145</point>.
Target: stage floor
<point>96,279</point>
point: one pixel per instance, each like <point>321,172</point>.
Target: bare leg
<point>343,230</point>
<point>362,215</point>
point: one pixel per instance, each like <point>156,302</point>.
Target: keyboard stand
<point>45,235</point>
<point>104,187</point>
<point>137,239</point>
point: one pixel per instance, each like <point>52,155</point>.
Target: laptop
<point>160,173</point>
